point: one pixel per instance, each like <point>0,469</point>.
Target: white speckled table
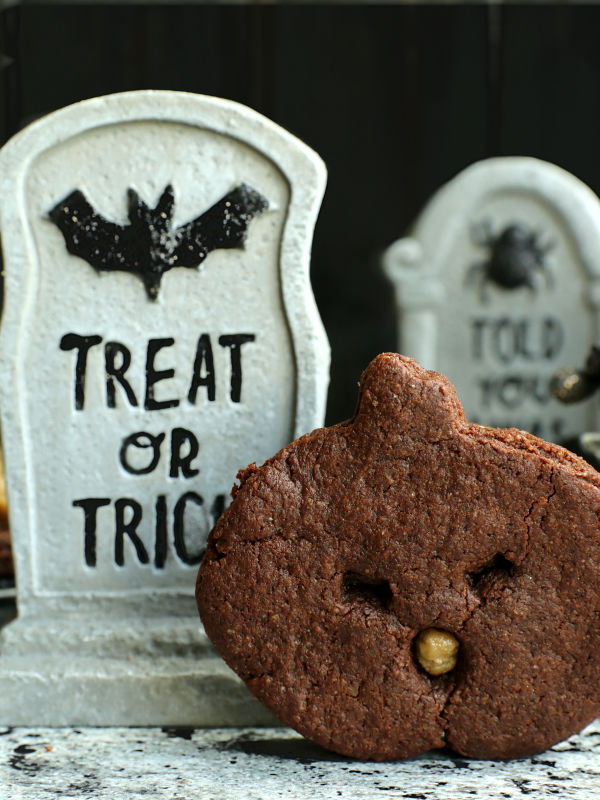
<point>268,764</point>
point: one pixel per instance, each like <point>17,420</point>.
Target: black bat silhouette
<point>149,245</point>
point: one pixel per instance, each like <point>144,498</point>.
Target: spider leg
<point>545,270</point>
<point>483,289</point>
<point>481,233</point>
<point>474,273</point>
<point>545,248</point>
<point>532,283</point>
<point>477,275</point>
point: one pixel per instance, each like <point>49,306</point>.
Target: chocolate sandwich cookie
<point>407,580</point>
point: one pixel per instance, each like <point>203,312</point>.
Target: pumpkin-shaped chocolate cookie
<point>407,580</point>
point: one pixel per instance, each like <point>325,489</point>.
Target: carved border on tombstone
<point>154,669</point>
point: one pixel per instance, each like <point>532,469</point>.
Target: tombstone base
<point>134,672</point>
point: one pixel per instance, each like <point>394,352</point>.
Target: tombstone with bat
<point>158,334</point>
<point>149,245</point>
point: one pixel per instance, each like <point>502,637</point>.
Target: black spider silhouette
<point>572,385</point>
<point>515,256</point>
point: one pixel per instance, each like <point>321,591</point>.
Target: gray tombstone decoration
<point>159,333</point>
<point>498,287</point>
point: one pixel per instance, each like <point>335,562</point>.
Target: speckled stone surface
<point>268,764</point>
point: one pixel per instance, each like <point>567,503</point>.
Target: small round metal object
<point>436,651</point>
<point>572,385</point>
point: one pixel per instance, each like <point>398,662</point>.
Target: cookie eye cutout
<point>365,589</point>
<point>498,567</point>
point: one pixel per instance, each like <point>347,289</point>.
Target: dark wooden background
<point>396,99</point>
